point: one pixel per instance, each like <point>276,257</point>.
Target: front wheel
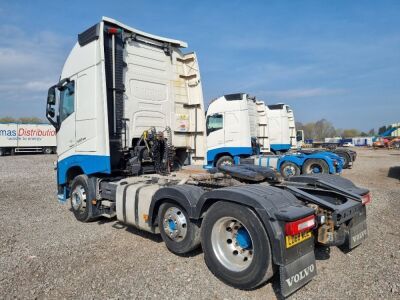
<point>236,246</point>
<point>81,196</point>
<point>288,169</point>
<point>315,166</point>
<point>179,233</point>
<point>225,161</point>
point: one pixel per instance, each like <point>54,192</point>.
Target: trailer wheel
<point>315,166</point>
<point>346,158</point>
<point>81,197</point>
<point>47,150</point>
<point>236,246</point>
<point>225,161</point>
<point>288,169</point>
<point>178,232</point>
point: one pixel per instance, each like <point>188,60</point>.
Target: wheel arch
<point>184,195</point>
<point>219,155</point>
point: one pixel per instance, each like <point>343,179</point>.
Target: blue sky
<point>338,60</point>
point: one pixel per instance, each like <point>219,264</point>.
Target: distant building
<point>397,131</point>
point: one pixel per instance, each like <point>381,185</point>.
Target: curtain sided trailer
<point>130,113</point>
<point>27,138</point>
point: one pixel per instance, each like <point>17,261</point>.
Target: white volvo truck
<point>27,138</point>
<point>128,111</point>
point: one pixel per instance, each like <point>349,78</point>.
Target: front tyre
<point>82,194</point>
<point>225,161</point>
<point>288,169</point>
<point>236,246</point>
<point>179,233</point>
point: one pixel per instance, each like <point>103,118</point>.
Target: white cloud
<point>301,93</point>
<point>29,64</point>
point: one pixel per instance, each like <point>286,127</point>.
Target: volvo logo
<point>301,275</point>
<point>359,236</point>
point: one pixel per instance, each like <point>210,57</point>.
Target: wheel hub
<point>175,224</point>
<point>315,169</point>
<point>232,244</point>
<point>289,170</point>
<point>78,198</point>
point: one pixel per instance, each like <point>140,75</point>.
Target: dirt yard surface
<point>46,253</point>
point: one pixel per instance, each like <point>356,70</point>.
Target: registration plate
<point>292,240</point>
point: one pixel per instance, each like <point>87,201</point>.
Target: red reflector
<point>366,199</point>
<point>113,30</point>
<point>296,227</point>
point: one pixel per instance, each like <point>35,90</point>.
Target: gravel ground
<point>46,253</point>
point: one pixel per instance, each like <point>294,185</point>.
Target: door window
<point>214,122</point>
<point>67,105</point>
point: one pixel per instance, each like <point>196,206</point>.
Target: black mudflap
<point>296,274</point>
<point>357,230</point>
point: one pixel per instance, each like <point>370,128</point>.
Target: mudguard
<point>338,181</point>
<point>274,207</point>
<point>185,195</point>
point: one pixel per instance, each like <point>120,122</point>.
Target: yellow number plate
<point>292,240</point>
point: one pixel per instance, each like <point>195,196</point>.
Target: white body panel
<point>27,135</point>
<point>86,130</point>
<point>279,131</point>
<point>162,91</point>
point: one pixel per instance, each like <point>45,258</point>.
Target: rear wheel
<point>178,232</point>
<point>315,166</point>
<point>1,152</point>
<point>225,161</point>
<point>47,150</point>
<point>236,246</point>
<point>288,169</point>
<point>81,198</point>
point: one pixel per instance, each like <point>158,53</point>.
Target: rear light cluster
<point>299,226</point>
<point>366,199</point>
<point>113,30</point>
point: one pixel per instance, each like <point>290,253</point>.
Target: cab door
<point>215,131</point>
<point>66,139</point>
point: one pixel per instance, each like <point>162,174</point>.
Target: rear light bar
<point>113,30</point>
<point>296,227</point>
<point>366,199</point>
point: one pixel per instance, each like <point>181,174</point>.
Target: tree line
<point>323,129</point>
<point>23,120</point>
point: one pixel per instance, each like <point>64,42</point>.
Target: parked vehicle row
<point>129,113</point>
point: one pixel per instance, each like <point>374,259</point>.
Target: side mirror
<point>51,96</point>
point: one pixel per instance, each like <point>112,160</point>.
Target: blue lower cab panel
<point>280,147</point>
<point>89,164</point>
<point>232,151</point>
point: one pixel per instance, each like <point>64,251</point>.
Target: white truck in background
<point>27,138</point>
<point>129,113</point>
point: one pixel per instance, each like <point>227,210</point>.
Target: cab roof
<point>178,43</point>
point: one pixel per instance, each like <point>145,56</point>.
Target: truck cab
<point>116,83</point>
<point>237,126</point>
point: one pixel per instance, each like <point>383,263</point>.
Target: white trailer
<point>27,138</point>
<point>119,81</point>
